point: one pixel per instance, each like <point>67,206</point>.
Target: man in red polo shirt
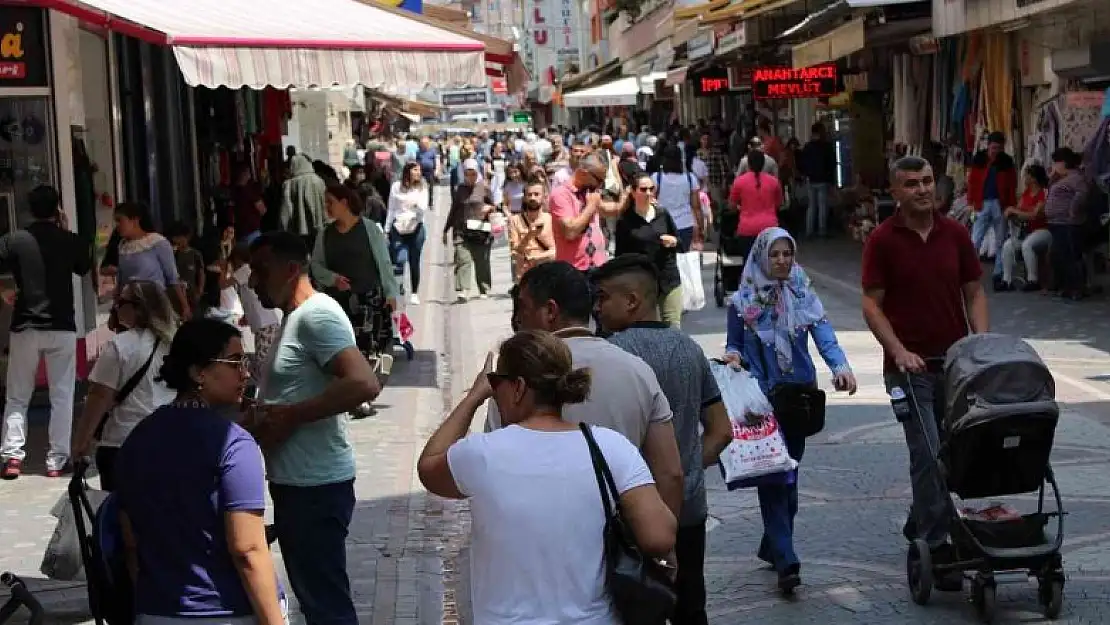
<point>921,294</point>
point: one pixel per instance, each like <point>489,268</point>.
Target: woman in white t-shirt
<point>150,322</point>
<point>536,511</point>
<point>676,191</point>
<point>404,224</point>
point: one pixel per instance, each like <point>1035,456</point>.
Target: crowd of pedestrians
<point>593,231</point>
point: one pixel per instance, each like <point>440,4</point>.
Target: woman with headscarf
<point>770,321</point>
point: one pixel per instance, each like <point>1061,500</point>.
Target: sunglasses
<point>496,379</point>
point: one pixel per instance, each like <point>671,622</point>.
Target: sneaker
<point>460,297</point>
<point>12,469</point>
<point>790,579</point>
<point>484,296</point>
<point>414,299</point>
<point>57,472</point>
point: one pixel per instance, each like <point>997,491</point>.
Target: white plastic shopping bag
<point>757,454</point>
<point>62,559</point>
<point>689,269</point>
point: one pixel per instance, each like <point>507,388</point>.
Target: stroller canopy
<point>996,369</point>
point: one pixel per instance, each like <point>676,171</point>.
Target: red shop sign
<point>788,83</point>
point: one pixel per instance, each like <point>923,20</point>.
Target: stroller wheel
<point>919,571</point>
<point>984,596</point>
<point>1052,598</point>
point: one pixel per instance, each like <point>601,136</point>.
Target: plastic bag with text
<point>757,455</point>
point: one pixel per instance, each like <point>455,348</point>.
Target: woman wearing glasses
<point>644,228</point>
<point>128,364</point>
<point>192,493</point>
<point>534,499</point>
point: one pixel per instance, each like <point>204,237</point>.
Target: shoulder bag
<point>641,590</point>
<point>127,388</point>
<point>799,407</point>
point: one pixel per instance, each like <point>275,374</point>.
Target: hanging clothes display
<point>997,83</point>
<point>1045,137</point>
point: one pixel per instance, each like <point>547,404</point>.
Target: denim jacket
<point>757,354</point>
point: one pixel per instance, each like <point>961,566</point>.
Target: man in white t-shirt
<point>556,297</point>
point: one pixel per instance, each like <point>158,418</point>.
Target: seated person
<point>1029,230</point>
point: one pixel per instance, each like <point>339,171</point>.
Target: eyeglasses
<point>238,361</point>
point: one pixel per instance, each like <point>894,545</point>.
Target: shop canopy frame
<point>291,43</point>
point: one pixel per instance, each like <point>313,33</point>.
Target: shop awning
<point>292,43</point>
<point>835,44</point>
<point>621,92</point>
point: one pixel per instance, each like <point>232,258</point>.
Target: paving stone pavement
<point>408,551</point>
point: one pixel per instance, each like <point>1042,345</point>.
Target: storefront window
<point>26,156</point>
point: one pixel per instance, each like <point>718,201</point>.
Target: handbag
<point>799,407</point>
<point>641,590</point>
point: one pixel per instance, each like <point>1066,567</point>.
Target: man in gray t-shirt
<point>628,296</point>
<point>624,394</point>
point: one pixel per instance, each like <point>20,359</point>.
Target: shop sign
<point>711,82</point>
<point>22,48</point>
<point>499,85</point>
<point>734,40</point>
<point>788,83</point>
<point>522,117</point>
<point>467,98</point>
<point>701,46</point>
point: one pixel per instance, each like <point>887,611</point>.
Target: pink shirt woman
<point>758,196</point>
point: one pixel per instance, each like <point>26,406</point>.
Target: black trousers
<point>690,582</point>
<point>106,467</point>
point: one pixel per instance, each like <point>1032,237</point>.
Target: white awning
<point>838,43</point>
<point>292,43</point>
<point>620,92</point>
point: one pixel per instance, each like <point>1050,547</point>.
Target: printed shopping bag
<point>689,270</point>
<point>757,455</point>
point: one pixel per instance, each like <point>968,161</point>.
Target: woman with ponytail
<point>758,197</point>
<point>538,519</point>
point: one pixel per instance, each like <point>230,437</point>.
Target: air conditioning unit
<point>1082,63</point>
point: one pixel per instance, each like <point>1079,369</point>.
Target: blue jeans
<point>817,213</point>
<point>778,505</point>
<point>311,524</point>
<point>406,248</point>
<point>987,219</point>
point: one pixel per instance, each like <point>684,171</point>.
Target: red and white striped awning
<point>291,43</point>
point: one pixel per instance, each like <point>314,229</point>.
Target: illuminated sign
<point>22,49</point>
<point>711,82</point>
<point>777,83</point>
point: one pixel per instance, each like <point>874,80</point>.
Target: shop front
<point>137,100</point>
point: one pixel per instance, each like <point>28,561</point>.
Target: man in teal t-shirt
<point>314,375</point>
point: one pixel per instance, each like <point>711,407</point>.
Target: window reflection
<point>26,159</point>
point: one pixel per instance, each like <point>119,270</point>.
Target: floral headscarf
<point>776,309</point>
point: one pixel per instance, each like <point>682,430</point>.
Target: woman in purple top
<point>147,255</point>
<point>191,487</point>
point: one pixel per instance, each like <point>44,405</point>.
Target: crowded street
<point>407,550</point>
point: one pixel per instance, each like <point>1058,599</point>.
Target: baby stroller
<point>111,597</point>
<point>731,250</point>
<point>996,436</point>
<point>20,597</point>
